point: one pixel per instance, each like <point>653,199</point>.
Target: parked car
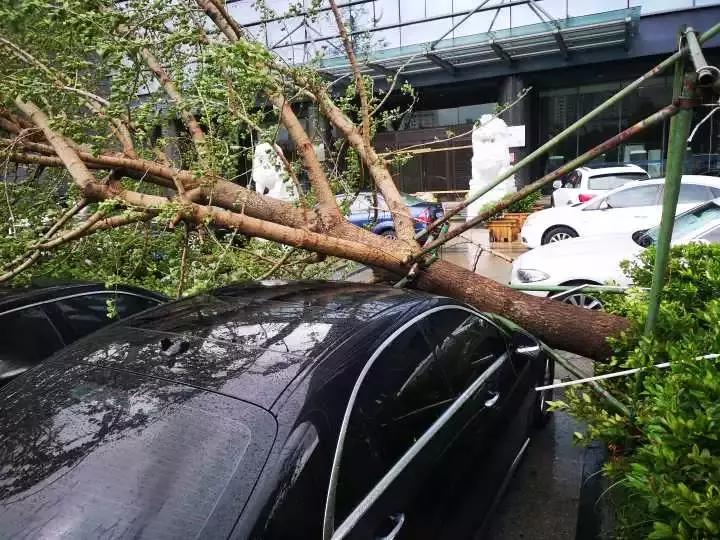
<point>584,183</point>
<point>634,206</point>
<point>362,212</point>
<point>274,410</point>
<point>596,260</point>
<point>34,323</point>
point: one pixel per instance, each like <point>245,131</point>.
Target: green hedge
<point>664,469</point>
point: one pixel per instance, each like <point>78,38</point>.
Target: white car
<point>634,206</point>
<point>584,183</point>
<point>596,260</point>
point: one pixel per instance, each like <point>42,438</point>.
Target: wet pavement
<point>542,498</point>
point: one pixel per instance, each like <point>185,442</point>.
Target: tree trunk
<point>563,326</point>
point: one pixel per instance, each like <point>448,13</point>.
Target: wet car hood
<point>90,452</point>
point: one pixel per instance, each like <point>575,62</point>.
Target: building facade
<point>465,58</point>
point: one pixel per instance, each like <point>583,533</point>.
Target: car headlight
<point>528,275</point>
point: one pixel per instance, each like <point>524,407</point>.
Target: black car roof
<point>247,341</point>
<point>15,297</point>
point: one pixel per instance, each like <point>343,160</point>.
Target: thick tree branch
<point>329,211</point>
<point>222,19</point>
<point>222,192</point>
<point>192,125</point>
<point>375,166</point>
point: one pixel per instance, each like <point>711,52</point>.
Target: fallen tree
<point>70,77</point>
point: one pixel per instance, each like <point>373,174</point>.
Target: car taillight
<point>425,216</point>
<point>585,197</point>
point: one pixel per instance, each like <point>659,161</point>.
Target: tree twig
<point>277,265</point>
<point>359,82</point>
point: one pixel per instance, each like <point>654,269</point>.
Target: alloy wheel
<point>584,300</point>
<point>557,237</point>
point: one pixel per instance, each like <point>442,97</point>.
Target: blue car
<point>362,212</point>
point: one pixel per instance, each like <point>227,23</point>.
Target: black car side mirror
<point>525,345</point>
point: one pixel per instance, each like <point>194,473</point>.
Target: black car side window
<point>465,345</point>
<point>130,304</point>
<point>28,337</point>
<point>402,394</point>
<point>84,314</point>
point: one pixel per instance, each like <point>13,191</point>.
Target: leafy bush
<point>526,204</point>
<point>145,254</point>
<point>665,457</point>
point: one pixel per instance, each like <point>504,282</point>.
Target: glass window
<point>465,345</point>
<point>612,181</point>
<point>130,304</point>
<point>603,126</point>
<point>712,236</point>
<point>404,392</point>
<point>85,314</point>
<point>646,148</point>
<point>367,453</point>
<point>689,221</point>
<point>690,193</point>
<point>636,196</point>
<point>572,180</point>
<point>28,337</point>
<point>558,110</point>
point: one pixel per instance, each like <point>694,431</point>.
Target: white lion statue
<point>269,173</point>
<point>491,157</point>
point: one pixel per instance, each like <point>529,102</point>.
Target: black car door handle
<point>397,521</point>
<point>494,397</point>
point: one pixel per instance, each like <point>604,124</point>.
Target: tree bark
<point>562,326</point>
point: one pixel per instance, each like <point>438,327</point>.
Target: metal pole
<point>706,74</point>
<point>662,66</point>
<point>679,131</point>
<point>565,288</point>
<point>651,120</point>
<point>465,18</point>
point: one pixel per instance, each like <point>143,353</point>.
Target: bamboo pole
<point>564,288</point>
<point>662,66</point>
<point>651,120</point>
<point>679,131</point>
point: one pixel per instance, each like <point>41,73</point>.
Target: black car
<point>295,410</point>
<point>36,322</point>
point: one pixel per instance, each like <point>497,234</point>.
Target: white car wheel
<point>557,237</point>
<point>584,301</point>
<point>558,234</point>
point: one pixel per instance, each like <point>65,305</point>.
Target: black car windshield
<point>100,453</point>
<point>685,224</point>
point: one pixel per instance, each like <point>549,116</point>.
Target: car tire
<point>389,233</point>
<point>583,300</point>
<point>557,234</point>
<point>541,414</point>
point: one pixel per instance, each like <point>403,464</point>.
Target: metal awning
<point>555,37</point>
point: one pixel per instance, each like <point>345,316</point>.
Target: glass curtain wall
<point>394,23</point>
<point>560,108</point>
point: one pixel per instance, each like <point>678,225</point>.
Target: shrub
<point>526,204</point>
<point>665,457</point>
